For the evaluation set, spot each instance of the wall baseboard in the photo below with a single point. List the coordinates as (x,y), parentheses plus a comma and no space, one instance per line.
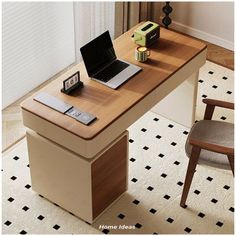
(201,34)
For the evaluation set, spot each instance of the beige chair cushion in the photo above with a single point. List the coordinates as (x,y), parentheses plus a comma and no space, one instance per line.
(215,132)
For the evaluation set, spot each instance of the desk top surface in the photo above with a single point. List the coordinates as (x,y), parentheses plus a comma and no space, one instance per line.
(171,52)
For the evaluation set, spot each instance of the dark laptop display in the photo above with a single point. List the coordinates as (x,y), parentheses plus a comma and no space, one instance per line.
(102,64)
(98,53)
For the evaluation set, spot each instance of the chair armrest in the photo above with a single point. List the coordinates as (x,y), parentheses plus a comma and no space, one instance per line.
(212,103)
(212,147)
(218,103)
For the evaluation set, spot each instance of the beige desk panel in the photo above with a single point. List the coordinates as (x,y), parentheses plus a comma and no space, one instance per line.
(180,105)
(56,178)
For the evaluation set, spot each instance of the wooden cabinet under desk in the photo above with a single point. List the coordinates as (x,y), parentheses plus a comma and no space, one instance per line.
(84,168)
(84,187)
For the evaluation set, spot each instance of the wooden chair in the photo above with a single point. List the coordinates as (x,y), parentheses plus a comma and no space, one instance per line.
(209,142)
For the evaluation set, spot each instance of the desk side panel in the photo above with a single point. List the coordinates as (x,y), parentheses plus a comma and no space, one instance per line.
(180,104)
(109,176)
(60,176)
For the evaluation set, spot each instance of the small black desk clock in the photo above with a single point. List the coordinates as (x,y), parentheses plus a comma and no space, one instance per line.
(72,83)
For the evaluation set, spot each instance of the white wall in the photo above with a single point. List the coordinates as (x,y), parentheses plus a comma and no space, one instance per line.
(37,42)
(210,21)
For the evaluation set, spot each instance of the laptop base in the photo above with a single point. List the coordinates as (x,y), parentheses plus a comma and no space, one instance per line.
(122,77)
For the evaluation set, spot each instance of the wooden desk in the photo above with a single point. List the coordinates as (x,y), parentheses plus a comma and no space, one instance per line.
(174,59)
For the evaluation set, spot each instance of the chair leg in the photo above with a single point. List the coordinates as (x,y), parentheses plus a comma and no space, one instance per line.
(231,162)
(209,112)
(193,160)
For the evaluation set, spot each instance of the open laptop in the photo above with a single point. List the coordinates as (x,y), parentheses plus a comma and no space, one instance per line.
(102,64)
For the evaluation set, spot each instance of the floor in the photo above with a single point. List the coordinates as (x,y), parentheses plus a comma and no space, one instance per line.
(157,166)
(12,126)
(220,55)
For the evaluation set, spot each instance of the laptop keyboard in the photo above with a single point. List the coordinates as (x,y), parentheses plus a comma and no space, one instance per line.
(108,73)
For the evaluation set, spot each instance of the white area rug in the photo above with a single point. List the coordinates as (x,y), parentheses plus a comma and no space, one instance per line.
(215,82)
(157,169)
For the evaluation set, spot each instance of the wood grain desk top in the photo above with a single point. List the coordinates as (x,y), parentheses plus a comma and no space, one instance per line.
(171,52)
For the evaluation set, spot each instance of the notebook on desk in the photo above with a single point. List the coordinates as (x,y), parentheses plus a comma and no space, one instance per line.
(102,64)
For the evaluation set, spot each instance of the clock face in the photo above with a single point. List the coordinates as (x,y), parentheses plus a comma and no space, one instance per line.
(69,83)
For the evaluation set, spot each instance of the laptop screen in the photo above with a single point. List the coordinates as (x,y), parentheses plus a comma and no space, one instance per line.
(98,53)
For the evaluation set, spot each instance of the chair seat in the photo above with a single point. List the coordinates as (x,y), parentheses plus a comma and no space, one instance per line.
(212,132)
